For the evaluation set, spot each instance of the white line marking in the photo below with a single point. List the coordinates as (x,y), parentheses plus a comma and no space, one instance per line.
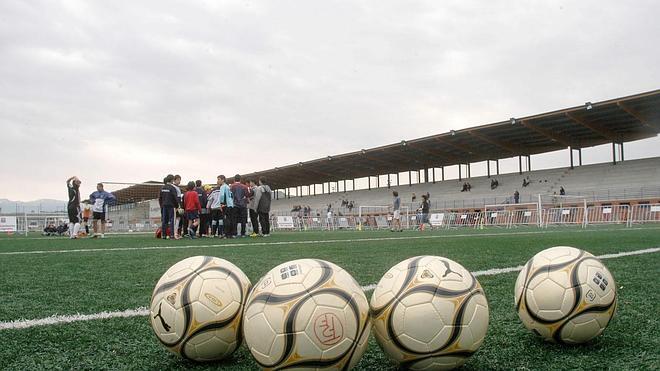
(371,239)
(60,319)
(143,311)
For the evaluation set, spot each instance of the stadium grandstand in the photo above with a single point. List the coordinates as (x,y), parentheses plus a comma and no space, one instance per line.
(332,180)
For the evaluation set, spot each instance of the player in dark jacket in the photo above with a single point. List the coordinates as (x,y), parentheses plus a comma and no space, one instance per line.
(168,201)
(241,194)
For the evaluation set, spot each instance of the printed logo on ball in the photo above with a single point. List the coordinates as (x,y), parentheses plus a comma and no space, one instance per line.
(328,329)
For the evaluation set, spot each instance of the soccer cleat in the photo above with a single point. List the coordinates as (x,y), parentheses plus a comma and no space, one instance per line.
(253,234)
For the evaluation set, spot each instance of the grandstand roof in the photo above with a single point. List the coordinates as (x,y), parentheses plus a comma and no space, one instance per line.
(617,120)
(138,192)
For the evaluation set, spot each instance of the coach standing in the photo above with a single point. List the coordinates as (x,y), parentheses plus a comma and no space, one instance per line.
(100,200)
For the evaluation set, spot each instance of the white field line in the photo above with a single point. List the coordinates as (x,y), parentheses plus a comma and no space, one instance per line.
(60,319)
(371,239)
(143,311)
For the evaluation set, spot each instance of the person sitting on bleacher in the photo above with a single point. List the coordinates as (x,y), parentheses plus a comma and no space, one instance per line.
(494,183)
(466,187)
(526,182)
(562,191)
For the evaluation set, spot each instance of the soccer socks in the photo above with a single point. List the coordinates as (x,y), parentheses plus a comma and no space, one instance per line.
(76,229)
(71,230)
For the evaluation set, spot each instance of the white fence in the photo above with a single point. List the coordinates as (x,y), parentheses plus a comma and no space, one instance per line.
(143,217)
(646,213)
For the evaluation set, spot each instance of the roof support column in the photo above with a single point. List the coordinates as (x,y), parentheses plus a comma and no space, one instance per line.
(488,168)
(529,162)
(353,189)
(397,179)
(571,152)
(322,188)
(426,175)
(369,181)
(580,156)
(468,171)
(621,151)
(433,174)
(497,166)
(377,181)
(459,172)
(613,153)
(389,183)
(519,164)
(442,171)
(409,178)
(344,185)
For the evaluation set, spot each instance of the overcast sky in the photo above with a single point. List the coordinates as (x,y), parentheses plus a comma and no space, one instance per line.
(131,91)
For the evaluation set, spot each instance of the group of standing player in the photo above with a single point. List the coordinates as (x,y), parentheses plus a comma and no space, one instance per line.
(99,201)
(216,212)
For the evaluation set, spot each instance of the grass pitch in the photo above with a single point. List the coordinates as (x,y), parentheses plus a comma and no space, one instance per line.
(41,277)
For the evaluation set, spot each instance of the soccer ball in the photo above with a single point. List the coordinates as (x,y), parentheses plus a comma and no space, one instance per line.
(197,307)
(307,313)
(429,313)
(565,295)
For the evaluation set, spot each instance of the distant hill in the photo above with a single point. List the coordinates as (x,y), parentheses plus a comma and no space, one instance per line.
(31,207)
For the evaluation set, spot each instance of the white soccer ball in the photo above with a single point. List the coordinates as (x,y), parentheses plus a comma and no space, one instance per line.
(565,295)
(305,314)
(197,307)
(429,313)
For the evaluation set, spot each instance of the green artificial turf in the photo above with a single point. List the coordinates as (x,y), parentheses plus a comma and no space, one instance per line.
(118,273)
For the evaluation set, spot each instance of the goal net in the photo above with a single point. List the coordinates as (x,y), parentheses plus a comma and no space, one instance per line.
(136,208)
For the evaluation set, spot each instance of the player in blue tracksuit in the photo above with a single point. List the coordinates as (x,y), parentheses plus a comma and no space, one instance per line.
(100,200)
